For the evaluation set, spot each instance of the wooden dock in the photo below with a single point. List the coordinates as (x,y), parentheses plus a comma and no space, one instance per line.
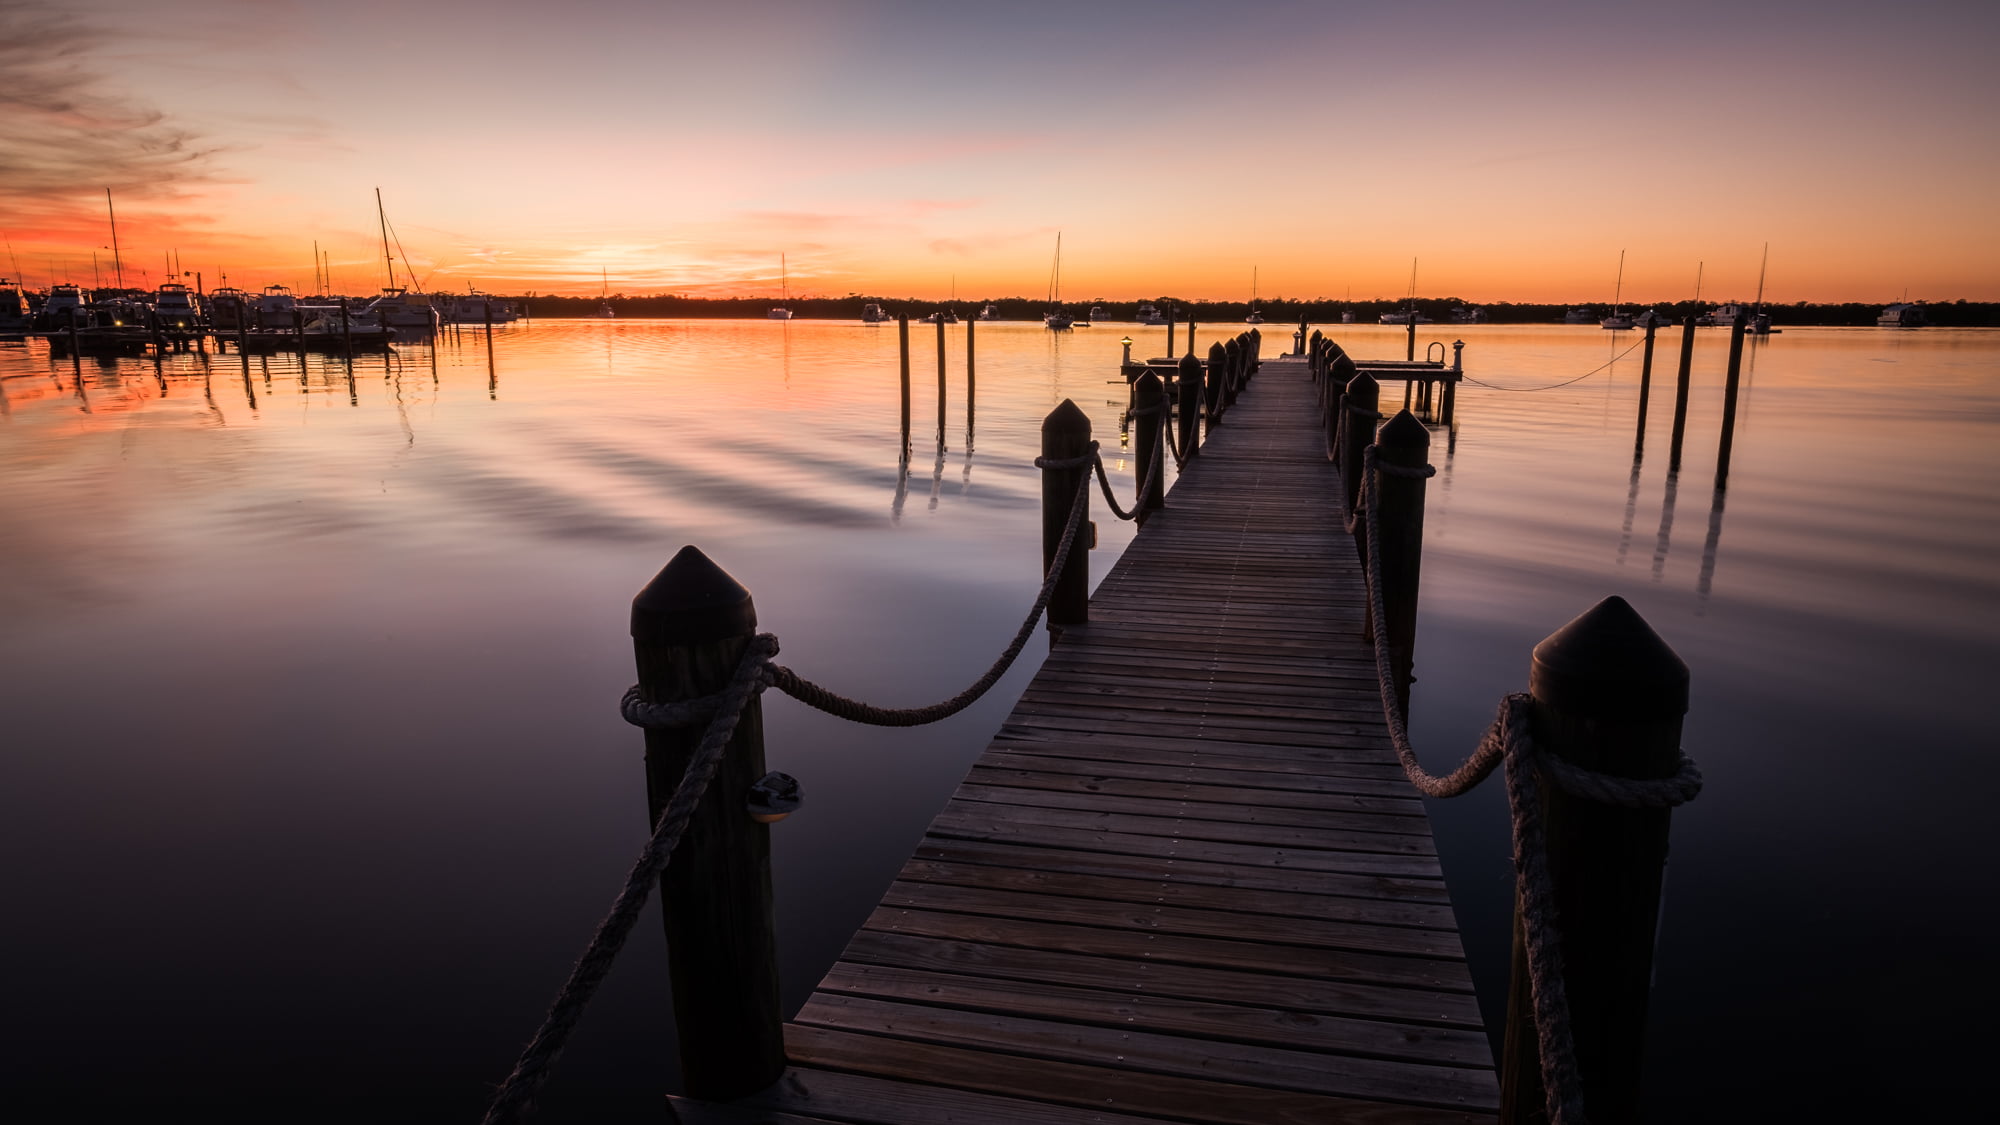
(1187,882)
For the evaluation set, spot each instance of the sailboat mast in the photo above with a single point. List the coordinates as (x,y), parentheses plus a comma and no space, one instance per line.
(1058,296)
(1760,276)
(1697,281)
(383,218)
(117,264)
(784,279)
(1618,293)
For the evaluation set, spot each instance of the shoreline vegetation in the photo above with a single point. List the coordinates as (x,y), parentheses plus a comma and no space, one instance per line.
(1446,311)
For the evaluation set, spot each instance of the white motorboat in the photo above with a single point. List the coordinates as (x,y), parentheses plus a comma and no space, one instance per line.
(1150,314)
(1097,313)
(175,307)
(1902,315)
(871,313)
(990,312)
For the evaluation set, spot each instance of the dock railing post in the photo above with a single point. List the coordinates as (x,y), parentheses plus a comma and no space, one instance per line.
(1171,314)
(1232,359)
(1187,387)
(1065,437)
(690,628)
(1149,403)
(1728,441)
(1681,395)
(1256,353)
(1357,432)
(941,390)
(1190,334)
(1450,407)
(1410,348)
(1609,696)
(1404,443)
(1218,372)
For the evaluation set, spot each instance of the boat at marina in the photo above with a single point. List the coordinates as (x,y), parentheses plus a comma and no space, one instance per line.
(1462,315)
(1580,316)
(1618,321)
(1149,313)
(63,303)
(871,313)
(1722,317)
(476,308)
(1408,316)
(942,316)
(783,312)
(990,312)
(1256,316)
(1056,318)
(1097,313)
(228,309)
(1902,315)
(1760,321)
(1652,318)
(14,316)
(174,306)
(399,308)
(273,307)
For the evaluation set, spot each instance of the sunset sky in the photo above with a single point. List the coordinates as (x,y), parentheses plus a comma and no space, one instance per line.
(888,147)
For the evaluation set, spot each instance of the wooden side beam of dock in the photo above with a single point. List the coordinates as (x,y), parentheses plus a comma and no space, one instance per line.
(1187,881)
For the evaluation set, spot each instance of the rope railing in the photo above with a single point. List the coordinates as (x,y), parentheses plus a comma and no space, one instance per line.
(754,673)
(1509,741)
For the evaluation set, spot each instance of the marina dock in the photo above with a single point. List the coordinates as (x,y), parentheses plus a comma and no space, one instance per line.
(1187,880)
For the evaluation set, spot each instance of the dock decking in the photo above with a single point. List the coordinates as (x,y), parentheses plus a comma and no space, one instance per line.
(1187,881)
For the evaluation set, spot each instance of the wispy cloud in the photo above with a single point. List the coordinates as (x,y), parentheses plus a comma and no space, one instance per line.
(65,129)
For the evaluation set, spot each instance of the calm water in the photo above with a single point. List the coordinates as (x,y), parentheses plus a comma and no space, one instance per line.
(315,783)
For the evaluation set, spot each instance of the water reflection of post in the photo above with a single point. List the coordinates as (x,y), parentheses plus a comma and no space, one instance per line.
(249,387)
(1709,548)
(1631,509)
(353,398)
(1666,525)
(902,486)
(937,479)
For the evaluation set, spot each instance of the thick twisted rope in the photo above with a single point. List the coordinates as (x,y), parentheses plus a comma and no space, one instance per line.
(1510,740)
(1566,382)
(1104,481)
(516,1095)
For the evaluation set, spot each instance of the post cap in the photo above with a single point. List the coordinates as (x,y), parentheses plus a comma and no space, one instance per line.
(1609,664)
(1364,386)
(1190,367)
(1216,352)
(1149,386)
(1404,432)
(1067,417)
(691,601)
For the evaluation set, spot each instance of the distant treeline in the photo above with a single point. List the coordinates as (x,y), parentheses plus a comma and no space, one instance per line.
(1275,311)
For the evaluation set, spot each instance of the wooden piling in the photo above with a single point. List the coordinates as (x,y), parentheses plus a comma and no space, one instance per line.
(1066,436)
(903,338)
(1361,399)
(1190,334)
(1645,383)
(940,380)
(1729,401)
(1187,389)
(690,627)
(970,321)
(299,334)
(1218,370)
(1232,360)
(1410,348)
(346,328)
(1609,696)
(1149,409)
(1406,443)
(1681,395)
(1171,313)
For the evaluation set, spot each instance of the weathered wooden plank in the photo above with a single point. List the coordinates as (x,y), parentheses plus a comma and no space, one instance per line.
(1105,1087)
(1165,788)
(850,1097)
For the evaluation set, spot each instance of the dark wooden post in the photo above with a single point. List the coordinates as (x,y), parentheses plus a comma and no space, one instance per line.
(940,350)
(1357,433)
(690,626)
(299,334)
(1218,370)
(1410,348)
(1729,401)
(903,337)
(1149,403)
(1609,696)
(1256,353)
(1645,382)
(346,328)
(1171,314)
(1232,361)
(1188,389)
(1302,334)
(970,321)
(1190,334)
(1404,442)
(1066,435)
(1681,395)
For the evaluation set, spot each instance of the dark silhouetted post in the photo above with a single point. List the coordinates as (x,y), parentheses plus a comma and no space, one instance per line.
(299,334)
(1218,370)
(1645,382)
(1232,367)
(1149,404)
(1729,401)
(1190,338)
(940,343)
(1256,353)
(1302,335)
(1410,348)
(903,337)
(1609,696)
(1451,384)
(1681,395)
(1066,437)
(969,368)
(1403,442)
(1358,414)
(1171,314)
(346,328)
(1187,388)
(690,627)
